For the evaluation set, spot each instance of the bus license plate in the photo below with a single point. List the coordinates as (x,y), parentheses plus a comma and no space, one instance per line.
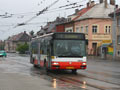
(69,67)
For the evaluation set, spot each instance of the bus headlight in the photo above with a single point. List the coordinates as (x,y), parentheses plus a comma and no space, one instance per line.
(55,63)
(84,64)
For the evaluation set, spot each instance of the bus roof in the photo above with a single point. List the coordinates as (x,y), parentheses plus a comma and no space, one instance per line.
(63,35)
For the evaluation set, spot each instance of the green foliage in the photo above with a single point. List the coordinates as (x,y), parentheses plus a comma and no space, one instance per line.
(2,46)
(22,48)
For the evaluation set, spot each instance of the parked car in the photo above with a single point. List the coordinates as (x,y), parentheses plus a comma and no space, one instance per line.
(3,53)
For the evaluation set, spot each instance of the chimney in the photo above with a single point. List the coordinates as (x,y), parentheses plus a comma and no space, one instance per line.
(92,3)
(112,2)
(76,11)
(101,1)
(88,5)
(116,6)
(41,27)
(24,31)
(106,3)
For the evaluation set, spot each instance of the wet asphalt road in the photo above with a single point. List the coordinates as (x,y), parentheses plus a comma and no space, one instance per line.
(99,75)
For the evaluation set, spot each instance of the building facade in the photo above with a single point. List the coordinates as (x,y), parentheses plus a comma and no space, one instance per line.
(54,26)
(96,24)
(12,42)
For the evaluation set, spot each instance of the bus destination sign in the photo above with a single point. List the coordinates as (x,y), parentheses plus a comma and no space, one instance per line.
(69,36)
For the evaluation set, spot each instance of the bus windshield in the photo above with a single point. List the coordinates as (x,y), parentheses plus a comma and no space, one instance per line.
(69,48)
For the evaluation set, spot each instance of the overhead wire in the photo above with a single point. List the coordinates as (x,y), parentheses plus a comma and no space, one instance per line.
(7,15)
(43,13)
(39,13)
(22,15)
(61,9)
(50,9)
(27,20)
(47,11)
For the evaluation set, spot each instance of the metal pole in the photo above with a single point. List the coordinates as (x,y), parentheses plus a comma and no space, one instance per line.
(114,34)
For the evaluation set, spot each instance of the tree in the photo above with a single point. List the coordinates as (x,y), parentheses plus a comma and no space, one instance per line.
(31,33)
(22,48)
(2,45)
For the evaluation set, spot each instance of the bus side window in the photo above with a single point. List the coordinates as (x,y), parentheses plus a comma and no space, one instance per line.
(43,48)
(34,48)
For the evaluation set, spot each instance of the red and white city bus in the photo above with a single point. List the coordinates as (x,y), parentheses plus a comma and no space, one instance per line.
(59,51)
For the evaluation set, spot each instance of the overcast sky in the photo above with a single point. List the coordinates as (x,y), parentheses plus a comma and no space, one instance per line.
(23,10)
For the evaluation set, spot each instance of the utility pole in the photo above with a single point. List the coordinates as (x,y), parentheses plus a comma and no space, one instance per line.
(114,34)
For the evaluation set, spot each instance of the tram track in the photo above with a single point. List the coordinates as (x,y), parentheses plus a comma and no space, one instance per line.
(73,80)
(78,83)
(91,77)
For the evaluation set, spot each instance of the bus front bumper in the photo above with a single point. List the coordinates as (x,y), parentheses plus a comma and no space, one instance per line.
(68,65)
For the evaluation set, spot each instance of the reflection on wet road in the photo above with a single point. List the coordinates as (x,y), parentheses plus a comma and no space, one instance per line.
(100,74)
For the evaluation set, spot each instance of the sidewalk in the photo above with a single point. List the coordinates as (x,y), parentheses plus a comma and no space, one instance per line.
(99,58)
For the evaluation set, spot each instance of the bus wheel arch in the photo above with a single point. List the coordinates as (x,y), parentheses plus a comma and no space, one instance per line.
(34,63)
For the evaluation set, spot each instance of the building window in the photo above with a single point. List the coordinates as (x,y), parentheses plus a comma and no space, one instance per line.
(86,29)
(94,29)
(69,19)
(70,30)
(77,29)
(118,38)
(107,29)
(82,30)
